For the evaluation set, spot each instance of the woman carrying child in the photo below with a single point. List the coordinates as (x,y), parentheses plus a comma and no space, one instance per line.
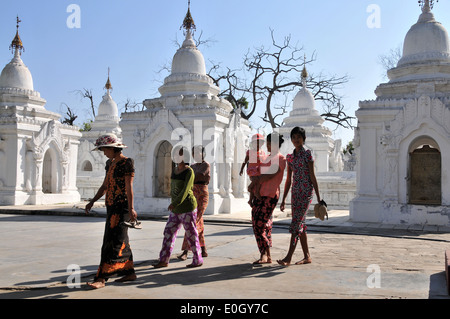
(272,170)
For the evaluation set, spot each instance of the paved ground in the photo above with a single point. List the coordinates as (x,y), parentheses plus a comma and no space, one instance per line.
(350,261)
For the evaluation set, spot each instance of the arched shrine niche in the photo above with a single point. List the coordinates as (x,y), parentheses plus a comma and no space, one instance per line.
(86,166)
(425,172)
(163,169)
(50,172)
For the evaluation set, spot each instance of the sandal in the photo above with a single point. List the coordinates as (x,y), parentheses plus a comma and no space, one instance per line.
(160,265)
(194,265)
(182,256)
(133,224)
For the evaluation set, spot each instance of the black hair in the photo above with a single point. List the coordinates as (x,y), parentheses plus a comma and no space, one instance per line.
(298,131)
(275,135)
(182,151)
(197,147)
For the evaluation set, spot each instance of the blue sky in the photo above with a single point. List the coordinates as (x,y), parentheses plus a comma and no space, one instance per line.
(136,38)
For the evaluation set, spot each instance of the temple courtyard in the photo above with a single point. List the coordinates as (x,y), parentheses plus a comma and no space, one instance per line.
(50,252)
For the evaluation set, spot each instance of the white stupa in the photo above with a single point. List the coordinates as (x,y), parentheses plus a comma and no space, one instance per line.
(336,187)
(403,139)
(91,165)
(16,74)
(318,137)
(107,119)
(37,152)
(188,112)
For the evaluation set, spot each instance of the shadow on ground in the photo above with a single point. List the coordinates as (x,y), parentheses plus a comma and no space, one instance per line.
(148,278)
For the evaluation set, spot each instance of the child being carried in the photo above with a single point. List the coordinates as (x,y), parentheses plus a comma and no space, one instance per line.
(253,159)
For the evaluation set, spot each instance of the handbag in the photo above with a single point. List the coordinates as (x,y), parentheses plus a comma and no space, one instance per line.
(320,210)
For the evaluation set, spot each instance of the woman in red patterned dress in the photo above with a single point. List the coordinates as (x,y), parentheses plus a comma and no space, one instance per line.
(300,173)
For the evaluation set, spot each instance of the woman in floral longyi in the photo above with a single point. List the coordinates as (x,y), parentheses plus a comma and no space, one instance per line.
(116,255)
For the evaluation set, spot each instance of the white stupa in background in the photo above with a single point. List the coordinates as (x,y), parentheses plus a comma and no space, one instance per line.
(336,187)
(38,154)
(318,137)
(91,165)
(403,137)
(188,112)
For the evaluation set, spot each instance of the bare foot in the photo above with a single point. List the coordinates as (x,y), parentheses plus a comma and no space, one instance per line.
(204,253)
(284,262)
(304,261)
(96,284)
(183,255)
(262,261)
(130,277)
(160,265)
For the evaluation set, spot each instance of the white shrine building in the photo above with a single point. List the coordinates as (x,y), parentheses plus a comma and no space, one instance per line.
(188,112)
(336,187)
(403,136)
(318,137)
(38,154)
(91,165)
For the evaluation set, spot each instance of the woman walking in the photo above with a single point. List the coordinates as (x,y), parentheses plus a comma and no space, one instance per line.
(300,174)
(116,255)
(183,211)
(272,170)
(201,170)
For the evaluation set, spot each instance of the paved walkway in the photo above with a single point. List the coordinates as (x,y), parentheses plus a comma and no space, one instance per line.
(42,246)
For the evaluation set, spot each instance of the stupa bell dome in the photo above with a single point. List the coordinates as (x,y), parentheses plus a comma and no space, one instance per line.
(426,41)
(107,109)
(188,59)
(304,98)
(16,74)
(107,106)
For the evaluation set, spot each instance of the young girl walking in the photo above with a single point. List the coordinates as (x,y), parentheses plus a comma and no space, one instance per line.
(183,211)
(300,174)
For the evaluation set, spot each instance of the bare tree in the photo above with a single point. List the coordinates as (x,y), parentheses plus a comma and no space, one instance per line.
(70,118)
(85,93)
(324,89)
(268,73)
(132,106)
(197,39)
(390,60)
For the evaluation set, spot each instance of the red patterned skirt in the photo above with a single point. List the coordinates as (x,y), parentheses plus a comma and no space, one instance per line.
(262,212)
(202,196)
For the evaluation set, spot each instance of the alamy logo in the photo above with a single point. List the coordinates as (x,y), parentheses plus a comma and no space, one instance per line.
(374,279)
(74,280)
(374,19)
(74,19)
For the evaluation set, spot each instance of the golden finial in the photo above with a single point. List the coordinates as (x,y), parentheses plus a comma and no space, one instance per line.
(108,85)
(304,72)
(188,22)
(16,44)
